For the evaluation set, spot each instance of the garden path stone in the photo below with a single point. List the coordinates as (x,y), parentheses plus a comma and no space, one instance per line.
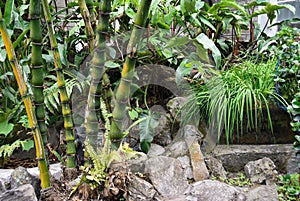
(261,171)
(166,175)
(22,193)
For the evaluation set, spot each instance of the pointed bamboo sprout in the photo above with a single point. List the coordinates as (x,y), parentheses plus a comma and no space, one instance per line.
(123,90)
(30,110)
(37,76)
(64,99)
(98,69)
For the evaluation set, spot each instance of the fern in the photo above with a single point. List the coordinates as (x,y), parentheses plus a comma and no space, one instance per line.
(7,150)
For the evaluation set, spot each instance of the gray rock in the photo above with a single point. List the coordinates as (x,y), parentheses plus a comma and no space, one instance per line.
(261,171)
(214,191)
(293,164)
(190,134)
(5,179)
(174,105)
(137,164)
(199,168)
(20,176)
(162,133)
(166,175)
(22,193)
(177,149)
(215,167)
(186,165)
(140,190)
(235,157)
(263,193)
(55,171)
(155,150)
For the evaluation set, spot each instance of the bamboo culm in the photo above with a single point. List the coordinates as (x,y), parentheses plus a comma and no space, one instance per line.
(122,94)
(37,75)
(30,109)
(64,99)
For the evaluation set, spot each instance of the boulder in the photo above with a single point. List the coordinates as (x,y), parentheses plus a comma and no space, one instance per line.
(216,191)
(235,157)
(186,165)
(200,171)
(155,150)
(262,171)
(22,193)
(174,105)
(263,193)
(215,168)
(189,134)
(140,190)
(162,133)
(137,164)
(4,179)
(55,171)
(177,149)
(166,175)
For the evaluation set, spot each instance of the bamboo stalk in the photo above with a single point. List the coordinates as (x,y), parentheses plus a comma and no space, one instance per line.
(30,110)
(98,69)
(64,99)
(37,79)
(123,90)
(90,6)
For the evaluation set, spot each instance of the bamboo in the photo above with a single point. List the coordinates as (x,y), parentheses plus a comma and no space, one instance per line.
(98,69)
(30,110)
(123,90)
(90,6)
(64,99)
(37,79)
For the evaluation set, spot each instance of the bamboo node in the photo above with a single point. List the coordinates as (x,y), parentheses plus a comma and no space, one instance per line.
(126,80)
(37,43)
(40,159)
(138,26)
(34,17)
(37,86)
(104,13)
(36,66)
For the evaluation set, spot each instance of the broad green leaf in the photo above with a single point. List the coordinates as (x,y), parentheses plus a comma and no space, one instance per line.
(177,42)
(207,23)
(225,4)
(5,127)
(133,114)
(2,55)
(209,44)
(111,64)
(27,145)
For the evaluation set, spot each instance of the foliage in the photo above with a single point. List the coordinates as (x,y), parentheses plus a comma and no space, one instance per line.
(238,94)
(288,187)
(240,180)
(7,150)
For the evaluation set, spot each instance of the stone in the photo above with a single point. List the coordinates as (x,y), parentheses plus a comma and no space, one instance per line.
(189,133)
(140,190)
(20,176)
(235,157)
(174,105)
(177,149)
(200,171)
(215,167)
(137,164)
(55,171)
(5,179)
(162,133)
(293,164)
(155,150)
(263,193)
(186,165)
(166,175)
(215,190)
(22,193)
(262,171)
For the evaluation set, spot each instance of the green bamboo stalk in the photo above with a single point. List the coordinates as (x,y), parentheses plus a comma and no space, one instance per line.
(123,90)
(37,79)
(64,99)
(87,21)
(98,69)
(90,6)
(30,109)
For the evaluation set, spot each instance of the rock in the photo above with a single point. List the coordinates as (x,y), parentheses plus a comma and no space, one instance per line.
(261,171)
(155,150)
(140,190)
(186,165)
(162,133)
(293,164)
(174,105)
(263,193)
(22,193)
(235,157)
(4,179)
(137,164)
(166,175)
(215,168)
(189,133)
(20,176)
(215,190)
(177,149)
(200,171)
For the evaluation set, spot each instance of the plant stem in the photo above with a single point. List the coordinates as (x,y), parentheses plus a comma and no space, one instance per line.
(30,110)
(123,90)
(37,79)
(64,99)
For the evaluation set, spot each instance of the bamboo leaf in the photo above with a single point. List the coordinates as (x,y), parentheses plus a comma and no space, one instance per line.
(8,13)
